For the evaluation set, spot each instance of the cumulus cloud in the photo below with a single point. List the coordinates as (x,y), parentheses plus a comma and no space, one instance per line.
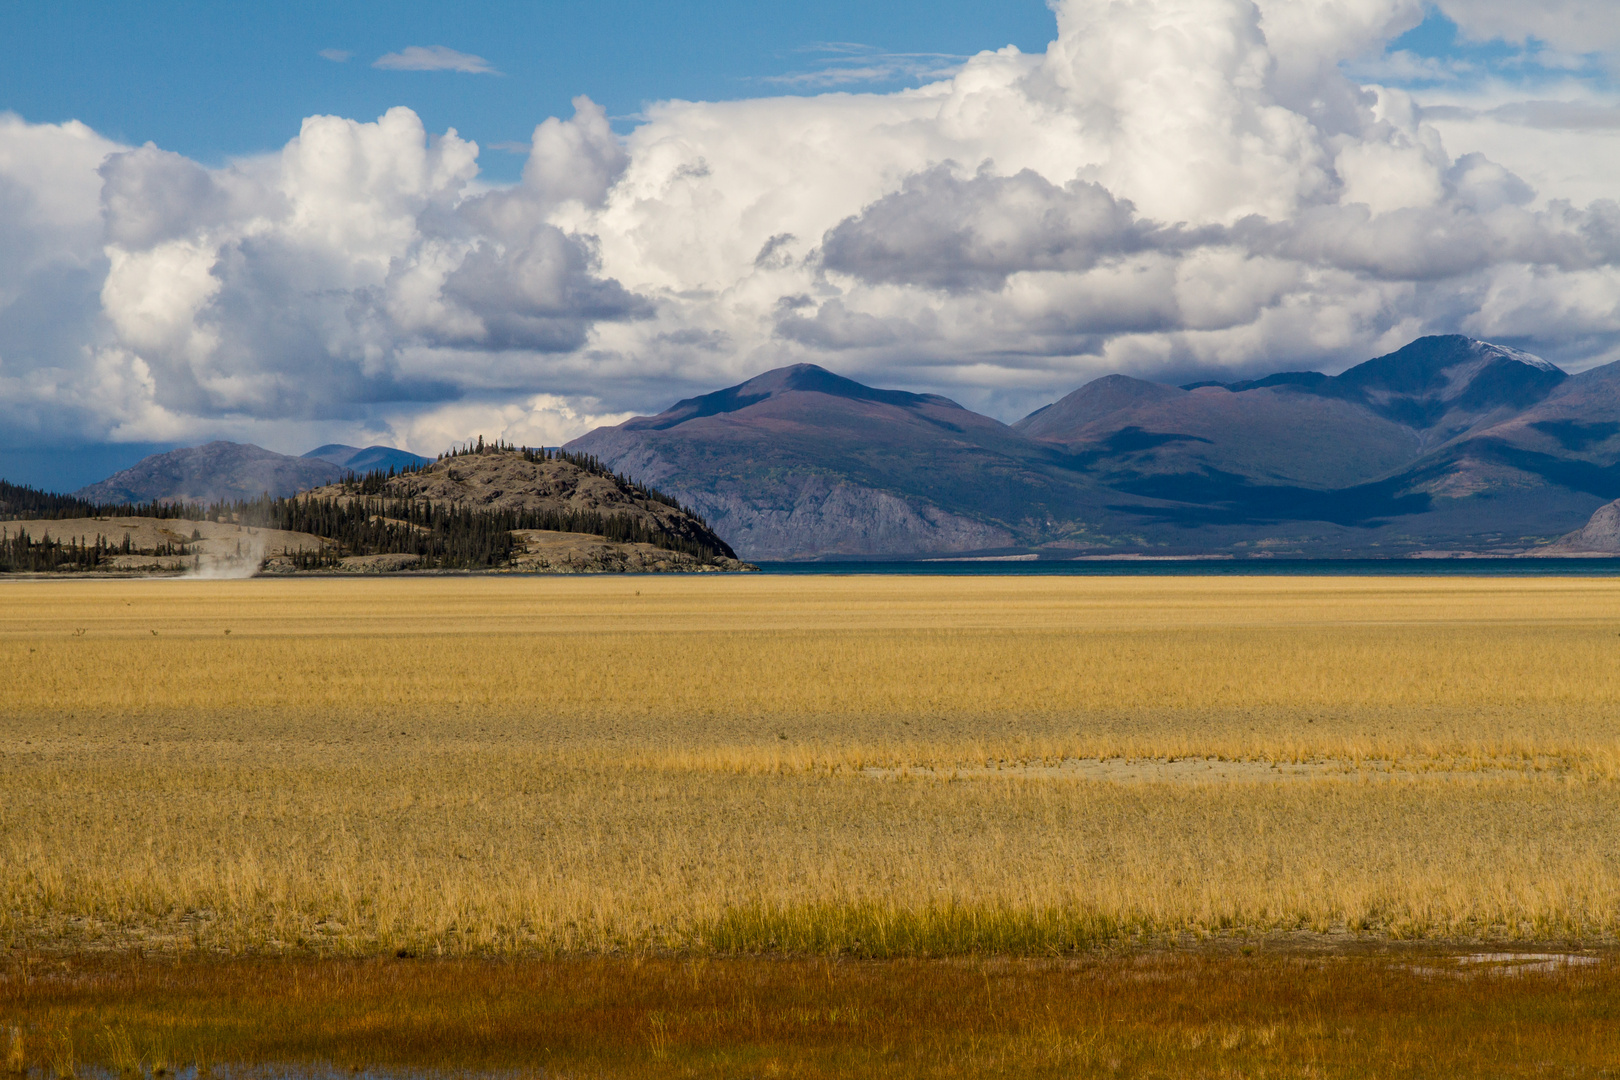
(956,233)
(1173,185)
(432,58)
(360,267)
(51,269)
(337,56)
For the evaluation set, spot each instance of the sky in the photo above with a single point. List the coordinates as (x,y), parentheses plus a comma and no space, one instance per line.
(214,81)
(414,224)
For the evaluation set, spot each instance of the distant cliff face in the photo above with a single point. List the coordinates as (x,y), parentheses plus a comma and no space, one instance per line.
(837,518)
(1446,443)
(1599,536)
(216,472)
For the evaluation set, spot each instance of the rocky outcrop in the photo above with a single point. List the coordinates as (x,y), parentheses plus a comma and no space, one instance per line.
(1599,536)
(567,514)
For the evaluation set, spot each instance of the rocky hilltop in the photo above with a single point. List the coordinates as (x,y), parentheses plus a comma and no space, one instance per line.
(569,511)
(1599,536)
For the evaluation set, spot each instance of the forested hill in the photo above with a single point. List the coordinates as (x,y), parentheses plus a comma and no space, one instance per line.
(529,489)
(26,502)
(488,506)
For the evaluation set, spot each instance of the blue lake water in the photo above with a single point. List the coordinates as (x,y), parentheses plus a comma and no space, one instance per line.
(1215,567)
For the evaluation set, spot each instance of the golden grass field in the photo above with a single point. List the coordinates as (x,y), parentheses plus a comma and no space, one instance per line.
(861,766)
(811,827)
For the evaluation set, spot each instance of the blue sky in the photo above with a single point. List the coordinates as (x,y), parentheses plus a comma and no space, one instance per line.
(1000,237)
(217,80)
(1436,54)
(212,80)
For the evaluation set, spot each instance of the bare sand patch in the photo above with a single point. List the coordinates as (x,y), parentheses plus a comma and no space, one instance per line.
(1201,770)
(215,549)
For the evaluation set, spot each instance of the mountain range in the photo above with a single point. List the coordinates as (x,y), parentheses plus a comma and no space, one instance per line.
(223,471)
(368,459)
(1446,445)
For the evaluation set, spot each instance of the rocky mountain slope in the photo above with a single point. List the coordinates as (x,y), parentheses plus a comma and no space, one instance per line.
(800,461)
(1446,444)
(1599,536)
(216,472)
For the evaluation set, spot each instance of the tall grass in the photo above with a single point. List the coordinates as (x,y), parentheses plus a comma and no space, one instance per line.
(836,766)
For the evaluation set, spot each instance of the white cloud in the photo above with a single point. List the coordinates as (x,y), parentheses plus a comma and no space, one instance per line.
(1576,26)
(957,233)
(337,56)
(1538,114)
(541,420)
(1173,184)
(433,58)
(1231,137)
(361,268)
(840,64)
(51,271)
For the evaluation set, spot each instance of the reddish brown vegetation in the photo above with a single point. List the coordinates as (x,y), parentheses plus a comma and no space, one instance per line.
(1407,1014)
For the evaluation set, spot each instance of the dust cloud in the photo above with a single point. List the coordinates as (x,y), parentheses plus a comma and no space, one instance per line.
(243,562)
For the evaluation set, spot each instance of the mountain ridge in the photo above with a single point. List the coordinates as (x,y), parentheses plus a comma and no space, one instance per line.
(218,471)
(1447,443)
(1410,386)
(367,459)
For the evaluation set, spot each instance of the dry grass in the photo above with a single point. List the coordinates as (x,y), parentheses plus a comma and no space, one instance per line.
(507,766)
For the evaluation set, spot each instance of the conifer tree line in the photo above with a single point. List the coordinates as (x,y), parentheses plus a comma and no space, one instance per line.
(451,537)
(20,554)
(25,503)
(365,521)
(19,503)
